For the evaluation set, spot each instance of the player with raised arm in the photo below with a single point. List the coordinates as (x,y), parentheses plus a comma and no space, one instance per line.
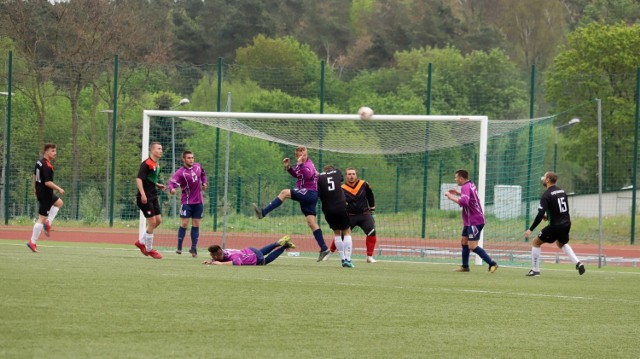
(335,211)
(472,220)
(148,184)
(192,181)
(305,192)
(49,203)
(554,202)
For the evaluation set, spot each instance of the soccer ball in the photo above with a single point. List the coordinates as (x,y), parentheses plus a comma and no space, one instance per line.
(365,113)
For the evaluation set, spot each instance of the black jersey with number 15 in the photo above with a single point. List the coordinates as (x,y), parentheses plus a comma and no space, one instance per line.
(555,203)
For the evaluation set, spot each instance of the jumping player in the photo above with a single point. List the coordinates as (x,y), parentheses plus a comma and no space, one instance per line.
(305,192)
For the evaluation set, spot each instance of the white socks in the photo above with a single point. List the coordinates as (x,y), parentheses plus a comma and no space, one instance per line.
(339,246)
(348,247)
(148,241)
(37,228)
(344,246)
(569,252)
(53,212)
(535,258)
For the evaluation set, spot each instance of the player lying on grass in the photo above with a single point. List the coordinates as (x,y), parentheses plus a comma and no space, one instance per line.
(249,256)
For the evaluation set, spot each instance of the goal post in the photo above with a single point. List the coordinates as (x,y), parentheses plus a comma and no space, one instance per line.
(388,151)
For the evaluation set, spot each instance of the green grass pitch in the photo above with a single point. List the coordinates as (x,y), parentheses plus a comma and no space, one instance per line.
(106,301)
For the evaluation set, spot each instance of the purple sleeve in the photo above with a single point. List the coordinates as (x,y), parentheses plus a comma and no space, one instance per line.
(465,193)
(175,179)
(203,175)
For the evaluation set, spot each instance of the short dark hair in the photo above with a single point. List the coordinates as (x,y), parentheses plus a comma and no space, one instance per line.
(48,146)
(154,143)
(214,248)
(462,173)
(552,177)
(185,153)
(328,168)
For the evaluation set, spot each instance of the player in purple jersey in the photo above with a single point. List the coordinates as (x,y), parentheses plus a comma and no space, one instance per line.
(192,181)
(249,256)
(49,203)
(305,192)
(554,200)
(472,220)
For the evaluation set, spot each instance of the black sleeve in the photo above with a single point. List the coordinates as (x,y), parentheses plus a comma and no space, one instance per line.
(542,209)
(46,175)
(142,172)
(369,194)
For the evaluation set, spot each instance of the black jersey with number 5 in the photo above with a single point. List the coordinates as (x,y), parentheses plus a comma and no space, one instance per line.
(554,201)
(330,190)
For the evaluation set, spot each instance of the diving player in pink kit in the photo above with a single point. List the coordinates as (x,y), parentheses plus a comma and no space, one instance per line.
(249,256)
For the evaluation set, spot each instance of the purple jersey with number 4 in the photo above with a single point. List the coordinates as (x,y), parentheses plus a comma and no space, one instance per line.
(470,202)
(190,181)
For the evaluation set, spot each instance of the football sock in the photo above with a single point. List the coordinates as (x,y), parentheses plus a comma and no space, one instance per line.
(268,248)
(465,255)
(348,247)
(339,244)
(275,254)
(317,234)
(535,258)
(148,241)
(485,257)
(371,245)
(569,252)
(181,233)
(37,228)
(53,212)
(333,245)
(271,206)
(195,234)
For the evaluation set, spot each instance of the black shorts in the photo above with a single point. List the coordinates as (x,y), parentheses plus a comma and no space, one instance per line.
(338,219)
(45,203)
(551,233)
(149,209)
(365,221)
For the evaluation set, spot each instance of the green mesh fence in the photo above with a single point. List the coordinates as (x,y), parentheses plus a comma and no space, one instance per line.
(49,106)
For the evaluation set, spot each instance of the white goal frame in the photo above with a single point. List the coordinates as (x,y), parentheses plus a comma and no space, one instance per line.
(482,151)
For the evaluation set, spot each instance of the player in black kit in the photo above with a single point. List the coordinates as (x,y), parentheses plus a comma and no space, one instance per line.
(335,211)
(554,202)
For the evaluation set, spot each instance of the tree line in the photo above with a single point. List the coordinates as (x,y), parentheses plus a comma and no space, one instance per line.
(376,53)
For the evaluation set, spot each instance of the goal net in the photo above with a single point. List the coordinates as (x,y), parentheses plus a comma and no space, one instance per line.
(409,161)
